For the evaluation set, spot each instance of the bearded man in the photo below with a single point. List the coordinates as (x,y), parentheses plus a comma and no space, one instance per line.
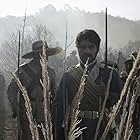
(87,44)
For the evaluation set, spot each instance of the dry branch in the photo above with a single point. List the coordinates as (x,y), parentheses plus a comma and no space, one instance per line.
(128,129)
(76,132)
(132,73)
(32,124)
(46,94)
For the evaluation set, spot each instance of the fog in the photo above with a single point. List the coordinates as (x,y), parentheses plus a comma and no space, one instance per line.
(120,30)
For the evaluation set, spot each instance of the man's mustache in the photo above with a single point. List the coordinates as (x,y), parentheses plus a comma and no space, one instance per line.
(87,55)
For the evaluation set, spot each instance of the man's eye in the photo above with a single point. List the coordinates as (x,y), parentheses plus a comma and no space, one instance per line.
(92,47)
(83,47)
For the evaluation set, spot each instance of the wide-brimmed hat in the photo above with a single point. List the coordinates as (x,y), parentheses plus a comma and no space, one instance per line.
(37,48)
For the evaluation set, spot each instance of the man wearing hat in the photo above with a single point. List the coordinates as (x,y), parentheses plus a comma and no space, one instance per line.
(87,44)
(129,62)
(30,75)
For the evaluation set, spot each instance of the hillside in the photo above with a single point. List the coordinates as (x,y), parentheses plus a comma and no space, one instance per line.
(120,30)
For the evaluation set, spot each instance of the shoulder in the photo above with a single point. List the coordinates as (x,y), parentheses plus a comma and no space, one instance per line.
(25,71)
(21,69)
(30,68)
(108,68)
(70,72)
(129,60)
(105,71)
(74,69)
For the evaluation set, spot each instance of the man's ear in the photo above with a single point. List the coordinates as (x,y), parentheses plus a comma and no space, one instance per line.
(97,51)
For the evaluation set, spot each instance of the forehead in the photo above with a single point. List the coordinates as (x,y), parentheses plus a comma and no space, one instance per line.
(87,43)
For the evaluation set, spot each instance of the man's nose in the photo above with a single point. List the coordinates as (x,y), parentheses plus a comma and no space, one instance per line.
(87,50)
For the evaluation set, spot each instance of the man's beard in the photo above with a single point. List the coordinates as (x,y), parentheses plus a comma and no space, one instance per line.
(89,58)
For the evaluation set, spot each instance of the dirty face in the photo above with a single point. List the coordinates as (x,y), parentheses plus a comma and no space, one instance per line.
(87,49)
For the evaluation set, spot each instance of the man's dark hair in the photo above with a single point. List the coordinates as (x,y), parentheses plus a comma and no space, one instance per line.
(90,35)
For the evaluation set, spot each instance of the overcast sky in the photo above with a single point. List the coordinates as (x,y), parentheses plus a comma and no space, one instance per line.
(129,9)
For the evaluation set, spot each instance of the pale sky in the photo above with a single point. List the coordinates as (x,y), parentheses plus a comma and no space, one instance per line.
(129,9)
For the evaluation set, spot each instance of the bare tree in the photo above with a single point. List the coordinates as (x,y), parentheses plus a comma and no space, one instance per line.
(9,50)
(38,33)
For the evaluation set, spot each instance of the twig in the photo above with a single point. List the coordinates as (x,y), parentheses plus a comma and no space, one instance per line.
(47,114)
(124,116)
(104,104)
(32,124)
(131,110)
(75,107)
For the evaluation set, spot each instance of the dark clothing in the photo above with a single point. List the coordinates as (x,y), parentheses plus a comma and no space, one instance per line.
(2,106)
(136,120)
(67,91)
(30,75)
(2,83)
(129,64)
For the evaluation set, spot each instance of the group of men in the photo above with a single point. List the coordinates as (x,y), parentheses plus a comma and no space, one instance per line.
(87,44)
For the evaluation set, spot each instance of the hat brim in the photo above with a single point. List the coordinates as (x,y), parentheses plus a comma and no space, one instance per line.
(49,52)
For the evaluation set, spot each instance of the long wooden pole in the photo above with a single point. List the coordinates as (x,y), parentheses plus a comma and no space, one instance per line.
(106,38)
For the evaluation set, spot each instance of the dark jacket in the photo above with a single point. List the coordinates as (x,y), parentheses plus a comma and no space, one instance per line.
(67,91)
(30,75)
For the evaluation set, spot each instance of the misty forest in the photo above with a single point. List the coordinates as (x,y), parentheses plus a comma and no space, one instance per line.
(59,29)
